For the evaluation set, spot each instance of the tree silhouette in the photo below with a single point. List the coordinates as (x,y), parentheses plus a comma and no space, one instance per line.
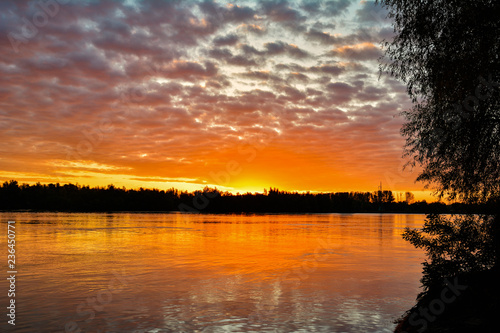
(71,198)
(409,197)
(447,54)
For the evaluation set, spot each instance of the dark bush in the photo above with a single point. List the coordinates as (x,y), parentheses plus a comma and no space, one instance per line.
(454,245)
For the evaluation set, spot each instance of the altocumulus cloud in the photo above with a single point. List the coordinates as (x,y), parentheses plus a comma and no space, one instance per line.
(164,89)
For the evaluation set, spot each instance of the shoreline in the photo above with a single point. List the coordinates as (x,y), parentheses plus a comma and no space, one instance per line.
(214,212)
(469,302)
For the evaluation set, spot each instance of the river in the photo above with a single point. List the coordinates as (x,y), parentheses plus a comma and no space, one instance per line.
(129,272)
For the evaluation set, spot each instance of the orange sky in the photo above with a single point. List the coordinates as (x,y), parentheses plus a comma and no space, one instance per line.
(242,96)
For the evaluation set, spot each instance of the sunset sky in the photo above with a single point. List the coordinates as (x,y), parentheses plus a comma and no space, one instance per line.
(241,95)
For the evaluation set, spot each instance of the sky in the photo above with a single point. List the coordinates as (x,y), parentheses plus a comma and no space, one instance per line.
(241,95)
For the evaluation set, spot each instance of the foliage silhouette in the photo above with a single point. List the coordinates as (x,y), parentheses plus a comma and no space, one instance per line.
(456,245)
(70,197)
(447,54)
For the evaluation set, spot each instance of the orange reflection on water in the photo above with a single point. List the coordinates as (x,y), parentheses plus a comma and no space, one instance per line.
(242,272)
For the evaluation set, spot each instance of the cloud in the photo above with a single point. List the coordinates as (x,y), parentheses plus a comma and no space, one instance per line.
(342,88)
(330,8)
(226,14)
(190,69)
(253,28)
(295,52)
(220,53)
(282,12)
(275,48)
(251,50)
(170,89)
(272,49)
(371,12)
(311,6)
(372,93)
(298,77)
(291,67)
(327,69)
(336,7)
(292,94)
(363,51)
(227,56)
(227,40)
(260,76)
(279,47)
(322,37)
(240,60)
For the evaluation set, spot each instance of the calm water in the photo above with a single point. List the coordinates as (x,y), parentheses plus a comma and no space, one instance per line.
(211,273)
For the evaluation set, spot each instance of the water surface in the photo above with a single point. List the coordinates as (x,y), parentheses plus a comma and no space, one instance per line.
(212,273)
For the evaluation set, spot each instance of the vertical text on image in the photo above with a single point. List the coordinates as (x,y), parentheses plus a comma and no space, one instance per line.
(11,264)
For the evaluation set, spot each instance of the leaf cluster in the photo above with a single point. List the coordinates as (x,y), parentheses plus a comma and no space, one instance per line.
(454,245)
(447,53)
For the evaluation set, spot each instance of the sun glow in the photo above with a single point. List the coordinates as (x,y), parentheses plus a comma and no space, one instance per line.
(241,97)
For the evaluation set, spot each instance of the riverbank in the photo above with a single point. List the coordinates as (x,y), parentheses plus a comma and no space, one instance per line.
(77,198)
(467,303)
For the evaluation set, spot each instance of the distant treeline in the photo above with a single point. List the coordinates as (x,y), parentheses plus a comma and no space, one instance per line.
(77,198)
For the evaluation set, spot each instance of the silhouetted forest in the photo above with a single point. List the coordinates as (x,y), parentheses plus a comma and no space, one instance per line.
(70,197)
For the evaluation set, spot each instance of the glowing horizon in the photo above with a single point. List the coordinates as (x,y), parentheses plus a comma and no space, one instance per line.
(240,96)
